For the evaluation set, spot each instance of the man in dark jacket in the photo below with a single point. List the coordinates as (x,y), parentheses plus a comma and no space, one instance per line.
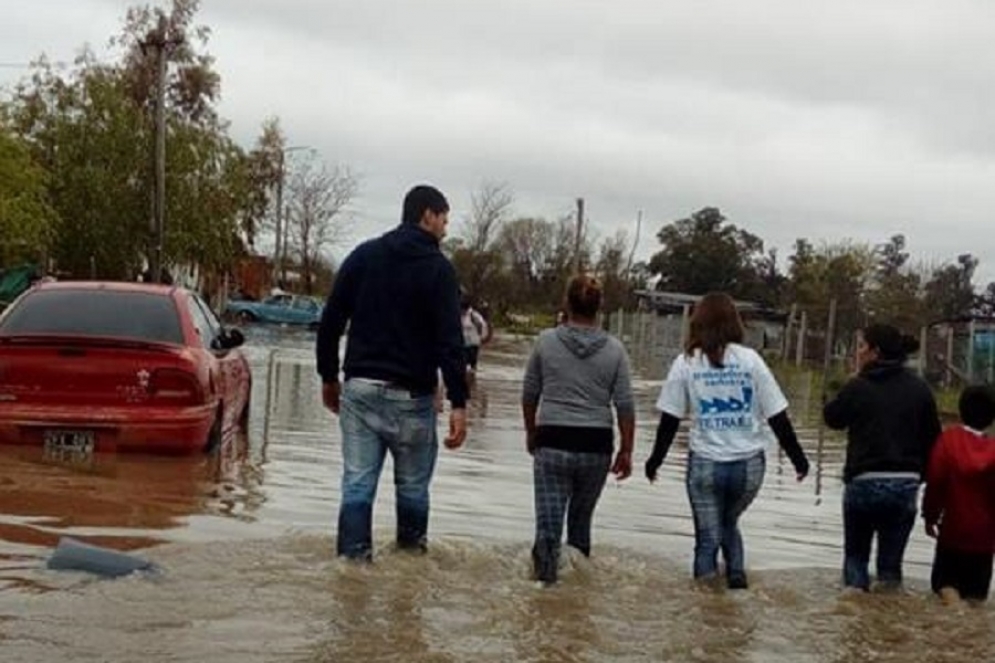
(400,297)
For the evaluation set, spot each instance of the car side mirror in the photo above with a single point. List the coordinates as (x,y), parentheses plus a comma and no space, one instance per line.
(234,337)
(229,338)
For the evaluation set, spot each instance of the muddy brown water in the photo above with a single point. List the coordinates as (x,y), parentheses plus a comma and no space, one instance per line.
(245,540)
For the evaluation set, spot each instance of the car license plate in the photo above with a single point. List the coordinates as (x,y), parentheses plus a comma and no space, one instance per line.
(75,442)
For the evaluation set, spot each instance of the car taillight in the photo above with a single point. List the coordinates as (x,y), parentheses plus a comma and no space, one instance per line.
(176,387)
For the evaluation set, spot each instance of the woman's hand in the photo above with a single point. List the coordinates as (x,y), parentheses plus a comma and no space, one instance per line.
(653,464)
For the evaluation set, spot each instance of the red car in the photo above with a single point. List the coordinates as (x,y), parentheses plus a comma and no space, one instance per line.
(104,366)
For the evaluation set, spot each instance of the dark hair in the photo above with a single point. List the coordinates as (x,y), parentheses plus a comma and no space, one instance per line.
(977,407)
(890,343)
(421,198)
(715,324)
(584,296)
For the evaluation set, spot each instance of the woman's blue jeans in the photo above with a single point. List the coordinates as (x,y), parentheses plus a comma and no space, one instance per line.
(885,507)
(719,493)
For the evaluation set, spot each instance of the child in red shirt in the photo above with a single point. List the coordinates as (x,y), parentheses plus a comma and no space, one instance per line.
(959,503)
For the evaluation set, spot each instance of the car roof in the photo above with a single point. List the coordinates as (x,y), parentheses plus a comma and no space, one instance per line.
(114,286)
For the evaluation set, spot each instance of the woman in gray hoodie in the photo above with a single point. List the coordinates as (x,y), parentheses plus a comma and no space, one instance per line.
(576,373)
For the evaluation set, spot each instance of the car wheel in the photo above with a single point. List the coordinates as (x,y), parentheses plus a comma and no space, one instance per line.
(245,317)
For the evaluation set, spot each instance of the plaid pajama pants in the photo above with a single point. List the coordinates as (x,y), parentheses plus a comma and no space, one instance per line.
(567,484)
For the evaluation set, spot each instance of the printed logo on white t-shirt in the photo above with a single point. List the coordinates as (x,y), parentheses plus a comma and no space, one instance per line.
(727,405)
(725,399)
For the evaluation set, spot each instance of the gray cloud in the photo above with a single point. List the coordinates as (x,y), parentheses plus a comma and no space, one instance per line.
(853,120)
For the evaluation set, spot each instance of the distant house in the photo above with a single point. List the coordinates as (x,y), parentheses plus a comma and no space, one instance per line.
(765,327)
(657,331)
(961,348)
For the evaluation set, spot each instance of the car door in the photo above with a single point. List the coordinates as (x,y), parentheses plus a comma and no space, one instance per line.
(278,308)
(303,311)
(233,370)
(206,335)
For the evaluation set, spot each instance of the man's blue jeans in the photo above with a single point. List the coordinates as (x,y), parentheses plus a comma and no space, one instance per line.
(375,419)
(720,492)
(886,507)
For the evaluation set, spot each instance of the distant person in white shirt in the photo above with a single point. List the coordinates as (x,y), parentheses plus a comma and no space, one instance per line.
(728,392)
(476,332)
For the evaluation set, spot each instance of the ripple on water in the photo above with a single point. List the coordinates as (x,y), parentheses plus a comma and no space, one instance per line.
(290,599)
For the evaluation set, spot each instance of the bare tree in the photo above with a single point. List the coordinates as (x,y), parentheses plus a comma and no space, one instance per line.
(613,270)
(318,209)
(489,206)
(527,244)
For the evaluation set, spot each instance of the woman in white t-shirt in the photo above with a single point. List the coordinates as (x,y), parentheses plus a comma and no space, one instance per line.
(728,392)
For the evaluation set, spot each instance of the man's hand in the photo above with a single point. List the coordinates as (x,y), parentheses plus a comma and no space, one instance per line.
(931,530)
(457,428)
(530,442)
(331,393)
(622,467)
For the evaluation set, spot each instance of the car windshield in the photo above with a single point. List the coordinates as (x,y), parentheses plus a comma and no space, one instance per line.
(108,313)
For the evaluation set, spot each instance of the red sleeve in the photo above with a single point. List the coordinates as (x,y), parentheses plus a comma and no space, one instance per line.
(936,478)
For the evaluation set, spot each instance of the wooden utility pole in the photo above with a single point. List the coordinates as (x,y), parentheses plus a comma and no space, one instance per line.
(280,249)
(580,234)
(159,45)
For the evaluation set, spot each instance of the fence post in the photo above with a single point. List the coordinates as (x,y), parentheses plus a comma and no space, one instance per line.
(786,344)
(685,325)
(991,354)
(970,351)
(950,355)
(800,346)
(826,364)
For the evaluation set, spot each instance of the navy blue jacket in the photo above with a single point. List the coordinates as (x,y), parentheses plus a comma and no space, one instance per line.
(400,297)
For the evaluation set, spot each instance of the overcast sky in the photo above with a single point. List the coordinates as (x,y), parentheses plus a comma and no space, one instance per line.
(827,120)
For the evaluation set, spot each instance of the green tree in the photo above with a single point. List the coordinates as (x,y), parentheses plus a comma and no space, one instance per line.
(839,271)
(26,218)
(703,253)
(986,301)
(89,137)
(90,128)
(894,297)
(950,291)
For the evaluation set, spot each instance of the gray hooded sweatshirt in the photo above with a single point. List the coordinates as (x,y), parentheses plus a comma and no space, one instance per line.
(575,374)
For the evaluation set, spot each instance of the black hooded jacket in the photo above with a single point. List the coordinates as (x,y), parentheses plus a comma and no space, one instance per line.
(890,418)
(400,297)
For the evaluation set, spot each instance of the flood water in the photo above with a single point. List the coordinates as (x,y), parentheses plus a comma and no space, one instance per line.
(245,541)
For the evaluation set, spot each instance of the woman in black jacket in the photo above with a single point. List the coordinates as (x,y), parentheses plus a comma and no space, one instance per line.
(890,418)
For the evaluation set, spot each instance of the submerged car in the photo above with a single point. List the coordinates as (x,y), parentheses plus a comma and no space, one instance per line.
(106,366)
(282,309)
